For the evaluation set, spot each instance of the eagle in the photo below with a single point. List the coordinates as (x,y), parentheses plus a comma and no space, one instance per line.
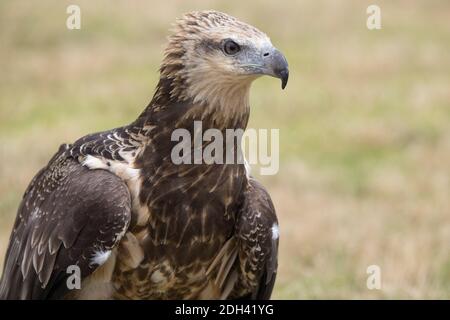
(135,224)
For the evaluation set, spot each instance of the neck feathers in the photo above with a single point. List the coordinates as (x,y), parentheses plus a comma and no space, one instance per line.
(221,103)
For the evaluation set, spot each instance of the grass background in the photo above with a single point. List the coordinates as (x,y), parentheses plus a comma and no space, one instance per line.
(364,124)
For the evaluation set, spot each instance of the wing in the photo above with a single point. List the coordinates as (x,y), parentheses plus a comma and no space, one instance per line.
(68,216)
(247,263)
(257,233)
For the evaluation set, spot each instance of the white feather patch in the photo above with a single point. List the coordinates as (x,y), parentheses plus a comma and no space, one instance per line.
(248,168)
(100,257)
(94,163)
(275,231)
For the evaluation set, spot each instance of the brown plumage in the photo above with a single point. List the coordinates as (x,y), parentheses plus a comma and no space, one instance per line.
(138,225)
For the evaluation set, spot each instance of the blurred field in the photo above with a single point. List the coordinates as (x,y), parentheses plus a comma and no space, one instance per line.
(364,124)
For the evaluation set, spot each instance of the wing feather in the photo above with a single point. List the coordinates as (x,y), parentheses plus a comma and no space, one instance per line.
(246,265)
(67,213)
(258,251)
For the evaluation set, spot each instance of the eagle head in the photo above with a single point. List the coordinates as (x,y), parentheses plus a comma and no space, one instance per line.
(211,54)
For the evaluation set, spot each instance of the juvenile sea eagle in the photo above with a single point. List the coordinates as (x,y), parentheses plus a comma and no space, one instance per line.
(139,226)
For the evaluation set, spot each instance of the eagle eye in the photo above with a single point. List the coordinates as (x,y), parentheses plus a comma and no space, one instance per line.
(231,48)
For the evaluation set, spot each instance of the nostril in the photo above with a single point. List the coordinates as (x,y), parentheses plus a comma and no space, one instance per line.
(266,54)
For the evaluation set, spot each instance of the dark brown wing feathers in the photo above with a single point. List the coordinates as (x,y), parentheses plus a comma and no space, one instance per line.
(67,213)
(258,247)
(252,251)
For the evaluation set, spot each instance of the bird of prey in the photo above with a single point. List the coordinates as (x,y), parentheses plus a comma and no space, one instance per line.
(139,226)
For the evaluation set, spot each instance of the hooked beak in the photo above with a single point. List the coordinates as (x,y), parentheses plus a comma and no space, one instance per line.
(269,61)
(275,65)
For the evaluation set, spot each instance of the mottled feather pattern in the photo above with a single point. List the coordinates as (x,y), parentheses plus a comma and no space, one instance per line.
(119,144)
(258,248)
(138,225)
(63,219)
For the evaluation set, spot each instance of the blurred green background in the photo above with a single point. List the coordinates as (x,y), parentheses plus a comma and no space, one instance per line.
(364,124)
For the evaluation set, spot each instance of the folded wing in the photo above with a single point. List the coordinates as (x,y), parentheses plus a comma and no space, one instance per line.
(69,215)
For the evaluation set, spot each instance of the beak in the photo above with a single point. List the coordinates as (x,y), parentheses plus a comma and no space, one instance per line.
(276,66)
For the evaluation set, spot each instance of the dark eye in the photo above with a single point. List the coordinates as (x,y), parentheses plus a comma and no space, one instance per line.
(231,48)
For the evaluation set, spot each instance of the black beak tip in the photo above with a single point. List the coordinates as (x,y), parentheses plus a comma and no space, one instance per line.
(284,76)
